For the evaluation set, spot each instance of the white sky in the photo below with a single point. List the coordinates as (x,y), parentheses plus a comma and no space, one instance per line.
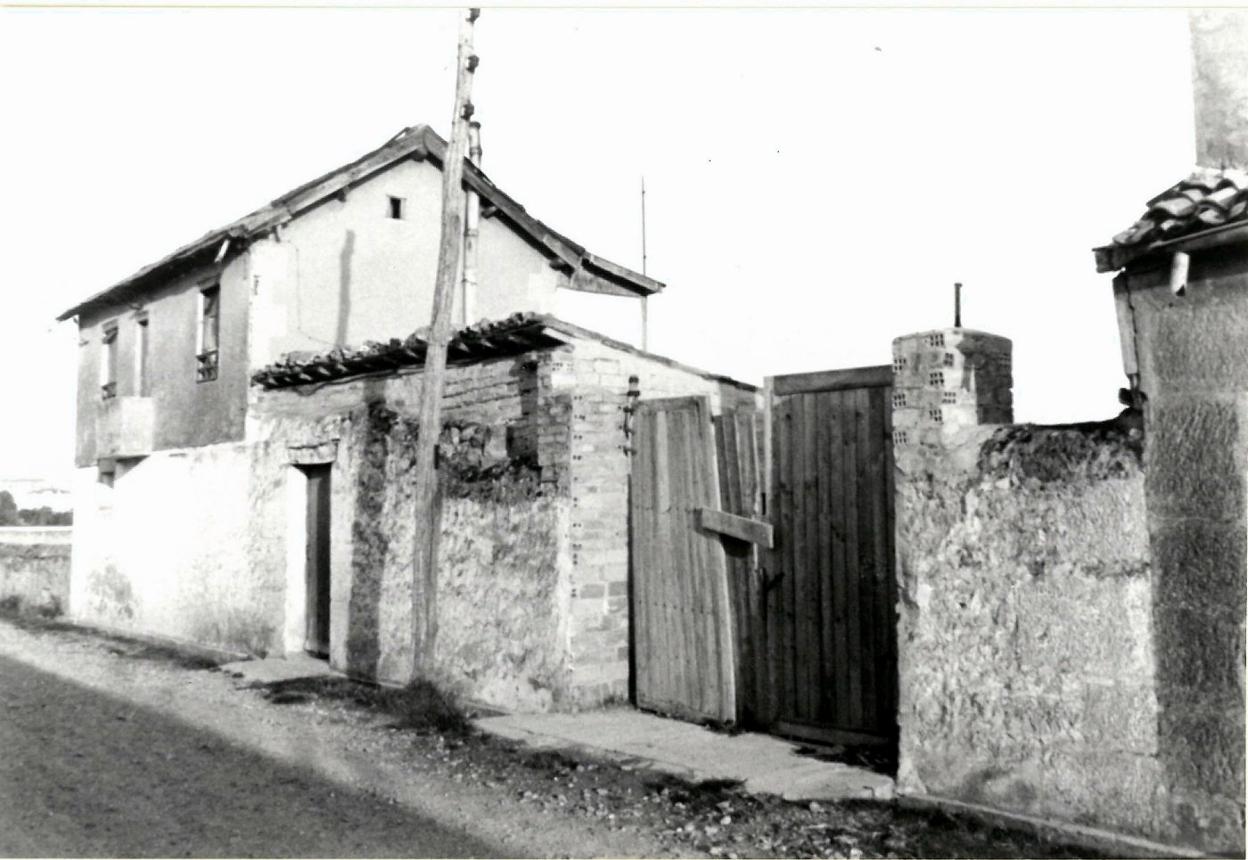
(816,179)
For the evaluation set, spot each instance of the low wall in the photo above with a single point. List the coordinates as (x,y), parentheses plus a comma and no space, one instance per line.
(1025,624)
(34,568)
(169,549)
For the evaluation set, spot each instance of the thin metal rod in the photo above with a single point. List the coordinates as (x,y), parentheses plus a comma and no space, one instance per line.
(957,304)
(643,225)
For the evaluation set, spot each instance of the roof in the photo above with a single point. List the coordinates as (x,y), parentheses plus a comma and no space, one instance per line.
(588,271)
(1209,199)
(517,334)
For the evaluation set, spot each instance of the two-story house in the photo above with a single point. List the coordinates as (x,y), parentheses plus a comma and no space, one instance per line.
(240,480)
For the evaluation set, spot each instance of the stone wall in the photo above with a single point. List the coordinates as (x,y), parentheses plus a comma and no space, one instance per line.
(502,556)
(1189,353)
(34,569)
(533,553)
(1025,639)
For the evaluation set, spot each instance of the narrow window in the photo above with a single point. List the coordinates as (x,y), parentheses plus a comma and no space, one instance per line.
(397,205)
(206,353)
(108,362)
(141,386)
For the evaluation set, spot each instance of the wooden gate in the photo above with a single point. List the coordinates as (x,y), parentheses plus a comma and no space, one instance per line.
(829,580)
(682,619)
(762,559)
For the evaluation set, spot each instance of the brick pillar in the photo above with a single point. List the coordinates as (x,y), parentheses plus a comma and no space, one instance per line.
(948,379)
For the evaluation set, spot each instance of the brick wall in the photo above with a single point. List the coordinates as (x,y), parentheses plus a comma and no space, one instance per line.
(597,377)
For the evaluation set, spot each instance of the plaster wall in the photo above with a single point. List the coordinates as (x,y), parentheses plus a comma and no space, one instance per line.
(346,272)
(1220,86)
(185,412)
(1026,657)
(176,548)
(1191,354)
(34,568)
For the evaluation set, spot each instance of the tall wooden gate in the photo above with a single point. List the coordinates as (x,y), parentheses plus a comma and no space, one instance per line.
(682,619)
(762,559)
(830,588)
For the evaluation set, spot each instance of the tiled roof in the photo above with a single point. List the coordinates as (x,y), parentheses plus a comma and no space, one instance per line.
(1207,199)
(514,335)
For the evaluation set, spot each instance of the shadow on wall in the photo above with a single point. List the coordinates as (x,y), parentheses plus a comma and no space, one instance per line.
(370,541)
(344,287)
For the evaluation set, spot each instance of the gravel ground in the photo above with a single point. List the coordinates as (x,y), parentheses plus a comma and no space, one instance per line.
(433,776)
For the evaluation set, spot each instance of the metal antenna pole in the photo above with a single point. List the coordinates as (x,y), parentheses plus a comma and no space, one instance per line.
(645,310)
(957,304)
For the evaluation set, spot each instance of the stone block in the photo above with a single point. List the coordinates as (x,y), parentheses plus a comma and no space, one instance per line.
(1198,655)
(1205,820)
(1192,460)
(1201,565)
(1198,344)
(1204,750)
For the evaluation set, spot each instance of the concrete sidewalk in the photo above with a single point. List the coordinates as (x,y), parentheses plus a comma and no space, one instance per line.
(764,764)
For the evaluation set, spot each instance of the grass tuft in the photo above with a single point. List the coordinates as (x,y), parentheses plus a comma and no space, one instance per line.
(421,706)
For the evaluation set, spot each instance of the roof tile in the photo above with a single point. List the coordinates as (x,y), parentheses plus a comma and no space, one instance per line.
(1208,198)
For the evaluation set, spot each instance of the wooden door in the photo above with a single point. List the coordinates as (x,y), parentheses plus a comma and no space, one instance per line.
(682,622)
(829,583)
(316,640)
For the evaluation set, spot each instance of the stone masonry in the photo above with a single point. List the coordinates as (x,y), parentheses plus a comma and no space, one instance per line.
(1025,651)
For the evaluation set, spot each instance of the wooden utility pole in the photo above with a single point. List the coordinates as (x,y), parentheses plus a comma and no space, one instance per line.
(424,572)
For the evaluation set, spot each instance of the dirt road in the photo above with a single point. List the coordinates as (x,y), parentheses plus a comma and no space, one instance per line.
(86,773)
(115,747)
(112,748)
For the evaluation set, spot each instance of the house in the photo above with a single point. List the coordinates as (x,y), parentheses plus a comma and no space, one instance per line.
(275,517)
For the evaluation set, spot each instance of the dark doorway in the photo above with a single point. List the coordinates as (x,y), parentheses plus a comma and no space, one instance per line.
(316,639)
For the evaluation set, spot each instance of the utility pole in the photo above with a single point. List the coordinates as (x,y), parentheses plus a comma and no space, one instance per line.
(425,479)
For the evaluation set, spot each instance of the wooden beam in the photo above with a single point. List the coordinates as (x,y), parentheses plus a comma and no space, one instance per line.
(741,528)
(833,380)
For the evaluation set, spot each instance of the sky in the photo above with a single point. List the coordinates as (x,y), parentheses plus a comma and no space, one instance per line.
(816,179)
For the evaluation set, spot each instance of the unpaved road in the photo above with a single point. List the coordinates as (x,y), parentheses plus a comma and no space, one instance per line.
(107,752)
(85,773)
(113,747)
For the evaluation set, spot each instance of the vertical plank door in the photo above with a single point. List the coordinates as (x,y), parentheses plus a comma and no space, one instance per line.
(682,612)
(829,590)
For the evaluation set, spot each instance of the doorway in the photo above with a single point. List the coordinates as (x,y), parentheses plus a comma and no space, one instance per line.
(316,569)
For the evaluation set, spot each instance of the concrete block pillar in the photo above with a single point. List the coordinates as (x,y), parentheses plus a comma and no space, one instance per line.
(948,379)
(946,383)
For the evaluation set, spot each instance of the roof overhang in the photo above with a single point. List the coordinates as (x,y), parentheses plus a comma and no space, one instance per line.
(1111,258)
(586,271)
